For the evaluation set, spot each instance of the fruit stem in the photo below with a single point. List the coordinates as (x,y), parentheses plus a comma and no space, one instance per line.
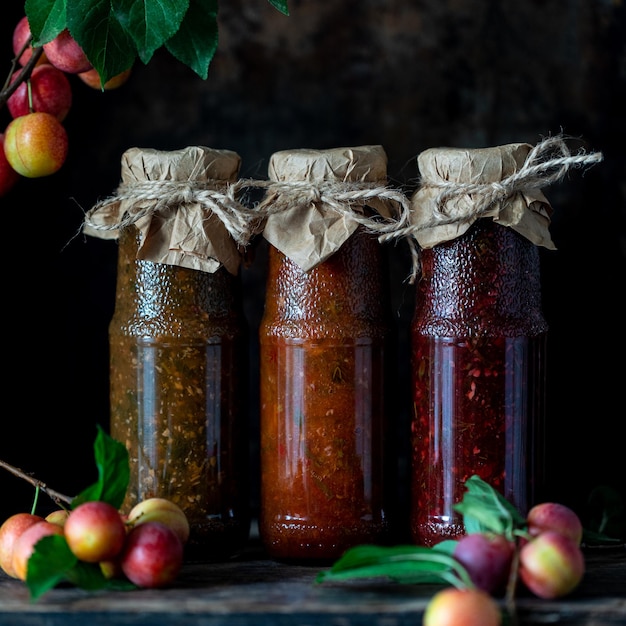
(51,493)
(29,89)
(35,500)
(511,587)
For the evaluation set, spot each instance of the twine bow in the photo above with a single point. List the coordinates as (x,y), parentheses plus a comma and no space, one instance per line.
(343,197)
(546,163)
(167,194)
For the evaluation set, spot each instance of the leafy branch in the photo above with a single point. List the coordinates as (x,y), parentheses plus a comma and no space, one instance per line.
(115,33)
(483,509)
(52,561)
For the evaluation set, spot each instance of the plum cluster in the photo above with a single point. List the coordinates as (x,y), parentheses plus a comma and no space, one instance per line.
(146,546)
(35,142)
(546,558)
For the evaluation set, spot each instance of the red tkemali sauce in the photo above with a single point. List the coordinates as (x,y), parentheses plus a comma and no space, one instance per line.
(322,349)
(478,368)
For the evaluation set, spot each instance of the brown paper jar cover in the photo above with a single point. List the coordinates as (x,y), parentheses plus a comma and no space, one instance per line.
(186,234)
(307,230)
(527,212)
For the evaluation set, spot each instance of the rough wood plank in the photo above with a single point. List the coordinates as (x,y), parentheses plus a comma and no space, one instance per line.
(253,591)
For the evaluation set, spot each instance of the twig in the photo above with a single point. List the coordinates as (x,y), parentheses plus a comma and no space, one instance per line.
(54,495)
(23,75)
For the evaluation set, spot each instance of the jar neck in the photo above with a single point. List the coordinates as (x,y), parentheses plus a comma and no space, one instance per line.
(156,289)
(350,285)
(485,282)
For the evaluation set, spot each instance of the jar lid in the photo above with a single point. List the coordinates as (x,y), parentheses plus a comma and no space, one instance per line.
(361,163)
(478,165)
(197,163)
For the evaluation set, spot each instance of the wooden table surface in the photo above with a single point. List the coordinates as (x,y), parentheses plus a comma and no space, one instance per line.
(251,590)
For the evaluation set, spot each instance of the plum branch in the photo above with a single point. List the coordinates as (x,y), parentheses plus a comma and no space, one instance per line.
(57,497)
(24,74)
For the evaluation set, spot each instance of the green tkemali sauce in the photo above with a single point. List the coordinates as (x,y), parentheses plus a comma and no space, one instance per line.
(178,375)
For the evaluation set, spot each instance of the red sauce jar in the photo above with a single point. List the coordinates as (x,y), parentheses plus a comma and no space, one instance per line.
(178,355)
(323,345)
(478,343)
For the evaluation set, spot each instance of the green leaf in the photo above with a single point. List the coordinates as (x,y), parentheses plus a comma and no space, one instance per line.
(113,472)
(150,22)
(367,554)
(483,510)
(48,565)
(46,19)
(403,564)
(196,41)
(486,510)
(403,572)
(115,33)
(52,562)
(607,516)
(97,29)
(281,5)
(87,576)
(447,546)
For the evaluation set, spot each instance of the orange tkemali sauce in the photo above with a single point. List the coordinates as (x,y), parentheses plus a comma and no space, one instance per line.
(323,423)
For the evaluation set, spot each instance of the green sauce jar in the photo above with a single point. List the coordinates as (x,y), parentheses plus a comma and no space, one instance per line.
(178,344)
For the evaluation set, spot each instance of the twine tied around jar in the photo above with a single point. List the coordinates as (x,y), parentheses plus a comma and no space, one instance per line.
(546,163)
(153,196)
(487,185)
(345,198)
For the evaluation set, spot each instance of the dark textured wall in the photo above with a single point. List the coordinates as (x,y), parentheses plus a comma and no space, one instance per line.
(409,75)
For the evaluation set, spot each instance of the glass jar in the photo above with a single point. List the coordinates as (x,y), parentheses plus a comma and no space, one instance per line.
(478,348)
(178,367)
(323,347)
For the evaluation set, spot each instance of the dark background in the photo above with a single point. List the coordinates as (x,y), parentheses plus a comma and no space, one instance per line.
(406,74)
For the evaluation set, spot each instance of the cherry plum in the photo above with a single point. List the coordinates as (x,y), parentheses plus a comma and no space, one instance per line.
(462,607)
(51,92)
(152,556)
(161,510)
(95,531)
(487,559)
(36,144)
(551,565)
(554,516)
(92,79)
(10,532)
(21,35)
(26,542)
(65,53)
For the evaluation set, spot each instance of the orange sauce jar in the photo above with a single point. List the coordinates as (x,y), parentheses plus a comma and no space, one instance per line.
(323,349)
